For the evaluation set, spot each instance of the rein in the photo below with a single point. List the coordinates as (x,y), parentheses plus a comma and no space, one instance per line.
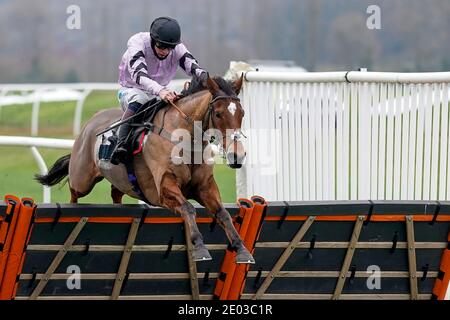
(127,119)
(184,115)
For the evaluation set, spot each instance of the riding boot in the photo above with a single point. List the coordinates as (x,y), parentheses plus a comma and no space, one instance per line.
(120,153)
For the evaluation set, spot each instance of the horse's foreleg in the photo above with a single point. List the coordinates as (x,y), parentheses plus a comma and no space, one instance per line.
(172,198)
(209,196)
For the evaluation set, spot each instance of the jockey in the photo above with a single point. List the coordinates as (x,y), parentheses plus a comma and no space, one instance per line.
(148,65)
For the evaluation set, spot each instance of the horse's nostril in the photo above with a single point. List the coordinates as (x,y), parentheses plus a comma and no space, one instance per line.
(235,165)
(235,159)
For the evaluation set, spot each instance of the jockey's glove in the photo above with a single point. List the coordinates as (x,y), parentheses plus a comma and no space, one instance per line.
(203,77)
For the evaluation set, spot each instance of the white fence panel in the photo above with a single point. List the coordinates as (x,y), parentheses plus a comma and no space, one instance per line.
(444,163)
(347,136)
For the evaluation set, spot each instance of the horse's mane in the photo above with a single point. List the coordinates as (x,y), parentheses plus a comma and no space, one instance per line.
(196,86)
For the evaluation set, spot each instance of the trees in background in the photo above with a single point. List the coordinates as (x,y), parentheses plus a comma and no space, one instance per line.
(317,34)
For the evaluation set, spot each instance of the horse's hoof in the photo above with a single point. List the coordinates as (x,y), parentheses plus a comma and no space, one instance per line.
(201,254)
(244,256)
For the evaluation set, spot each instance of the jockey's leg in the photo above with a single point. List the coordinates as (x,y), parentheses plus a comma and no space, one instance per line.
(208,195)
(172,198)
(120,152)
(131,100)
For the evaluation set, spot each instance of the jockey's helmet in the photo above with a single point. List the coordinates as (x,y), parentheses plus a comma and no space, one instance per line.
(166,30)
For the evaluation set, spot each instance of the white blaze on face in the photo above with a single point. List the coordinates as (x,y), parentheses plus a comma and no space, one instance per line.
(232,108)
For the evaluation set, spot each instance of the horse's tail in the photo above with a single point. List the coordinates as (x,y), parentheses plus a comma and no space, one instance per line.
(59,170)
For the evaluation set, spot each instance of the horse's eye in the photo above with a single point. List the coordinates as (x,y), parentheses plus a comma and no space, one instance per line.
(218,114)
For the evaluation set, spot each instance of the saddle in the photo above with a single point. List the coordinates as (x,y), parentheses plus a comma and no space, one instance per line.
(140,125)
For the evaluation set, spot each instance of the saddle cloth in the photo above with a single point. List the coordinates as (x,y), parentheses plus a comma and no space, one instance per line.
(122,176)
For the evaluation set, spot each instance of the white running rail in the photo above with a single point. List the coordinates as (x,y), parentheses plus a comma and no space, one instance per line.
(34,143)
(68,92)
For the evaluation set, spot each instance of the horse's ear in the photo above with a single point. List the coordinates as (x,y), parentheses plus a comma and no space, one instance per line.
(237,85)
(212,85)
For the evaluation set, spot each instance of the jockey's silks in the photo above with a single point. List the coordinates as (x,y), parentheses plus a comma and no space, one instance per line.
(141,68)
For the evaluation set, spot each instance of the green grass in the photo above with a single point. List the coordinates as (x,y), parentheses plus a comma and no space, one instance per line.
(17,165)
(55,118)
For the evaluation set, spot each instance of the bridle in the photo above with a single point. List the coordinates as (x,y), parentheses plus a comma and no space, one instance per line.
(208,116)
(236,135)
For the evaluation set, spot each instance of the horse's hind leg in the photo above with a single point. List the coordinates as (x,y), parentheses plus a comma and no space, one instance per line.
(82,188)
(116,195)
(73,196)
(83,173)
(172,198)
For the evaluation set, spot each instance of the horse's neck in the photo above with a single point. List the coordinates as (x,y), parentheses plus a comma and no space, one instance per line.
(196,106)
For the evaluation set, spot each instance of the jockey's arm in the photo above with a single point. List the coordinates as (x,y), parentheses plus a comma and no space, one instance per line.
(188,63)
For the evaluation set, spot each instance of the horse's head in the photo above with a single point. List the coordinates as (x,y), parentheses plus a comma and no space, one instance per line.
(225,115)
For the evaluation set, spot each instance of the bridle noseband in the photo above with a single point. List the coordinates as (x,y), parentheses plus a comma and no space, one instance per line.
(211,108)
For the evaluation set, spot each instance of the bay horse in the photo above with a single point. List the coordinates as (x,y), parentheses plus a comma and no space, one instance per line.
(164,183)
